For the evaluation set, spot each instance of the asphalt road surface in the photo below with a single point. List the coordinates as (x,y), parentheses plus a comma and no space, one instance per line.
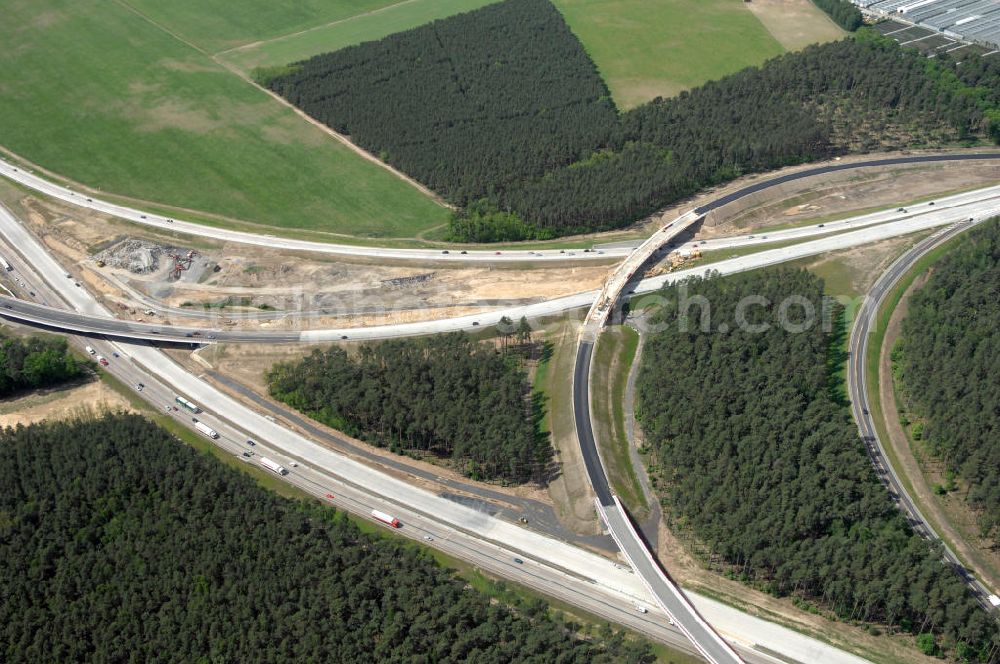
(979,205)
(668,595)
(551,566)
(857,385)
(87,200)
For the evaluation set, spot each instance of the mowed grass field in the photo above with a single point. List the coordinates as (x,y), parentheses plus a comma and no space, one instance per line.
(217,25)
(360,28)
(650,48)
(95,92)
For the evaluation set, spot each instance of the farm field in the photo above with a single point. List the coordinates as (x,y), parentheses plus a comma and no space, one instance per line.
(217,25)
(359,28)
(125,107)
(796,23)
(650,48)
(637,44)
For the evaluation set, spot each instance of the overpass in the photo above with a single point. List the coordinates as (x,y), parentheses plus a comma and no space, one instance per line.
(667,594)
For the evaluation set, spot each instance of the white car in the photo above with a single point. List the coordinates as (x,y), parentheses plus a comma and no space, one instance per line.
(641,609)
(91,351)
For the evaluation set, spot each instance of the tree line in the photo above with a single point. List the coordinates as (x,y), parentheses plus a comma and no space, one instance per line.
(843,13)
(502,112)
(119,544)
(948,359)
(445,395)
(760,462)
(35,362)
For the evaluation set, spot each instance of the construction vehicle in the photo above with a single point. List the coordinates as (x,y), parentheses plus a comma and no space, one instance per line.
(181,263)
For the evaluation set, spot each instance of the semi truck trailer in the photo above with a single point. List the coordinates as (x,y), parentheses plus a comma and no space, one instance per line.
(387,519)
(273,466)
(207,430)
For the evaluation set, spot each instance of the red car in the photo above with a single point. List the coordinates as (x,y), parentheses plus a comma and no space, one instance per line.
(103,361)
(330,496)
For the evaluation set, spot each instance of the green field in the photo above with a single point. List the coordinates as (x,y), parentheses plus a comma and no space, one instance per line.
(99,94)
(650,48)
(216,25)
(643,48)
(332,37)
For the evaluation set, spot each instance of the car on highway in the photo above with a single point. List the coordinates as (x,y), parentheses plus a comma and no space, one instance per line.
(102,360)
(246,454)
(445,252)
(329,496)
(91,351)
(251,442)
(518,561)
(428,538)
(140,387)
(641,609)
(463,251)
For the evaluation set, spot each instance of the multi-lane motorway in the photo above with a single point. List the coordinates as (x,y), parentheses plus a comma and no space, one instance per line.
(550,565)
(90,201)
(842,234)
(413,504)
(857,385)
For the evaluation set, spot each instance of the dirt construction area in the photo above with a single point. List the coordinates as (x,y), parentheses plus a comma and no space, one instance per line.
(61,403)
(156,276)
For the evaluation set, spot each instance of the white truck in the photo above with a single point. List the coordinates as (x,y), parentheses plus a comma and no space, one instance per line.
(207,430)
(387,519)
(273,466)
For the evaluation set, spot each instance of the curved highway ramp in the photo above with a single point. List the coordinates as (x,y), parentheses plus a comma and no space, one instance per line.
(667,594)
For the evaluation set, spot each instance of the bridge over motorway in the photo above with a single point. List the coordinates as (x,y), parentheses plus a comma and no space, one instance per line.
(667,594)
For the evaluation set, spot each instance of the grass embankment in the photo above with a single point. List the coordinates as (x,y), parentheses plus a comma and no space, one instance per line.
(873,376)
(126,106)
(612,363)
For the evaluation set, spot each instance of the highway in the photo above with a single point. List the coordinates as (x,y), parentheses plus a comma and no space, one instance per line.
(32,181)
(551,566)
(88,320)
(857,385)
(668,595)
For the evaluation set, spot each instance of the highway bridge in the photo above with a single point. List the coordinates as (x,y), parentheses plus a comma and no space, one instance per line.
(667,594)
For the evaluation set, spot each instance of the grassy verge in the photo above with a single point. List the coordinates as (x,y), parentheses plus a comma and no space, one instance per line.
(613,359)
(873,370)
